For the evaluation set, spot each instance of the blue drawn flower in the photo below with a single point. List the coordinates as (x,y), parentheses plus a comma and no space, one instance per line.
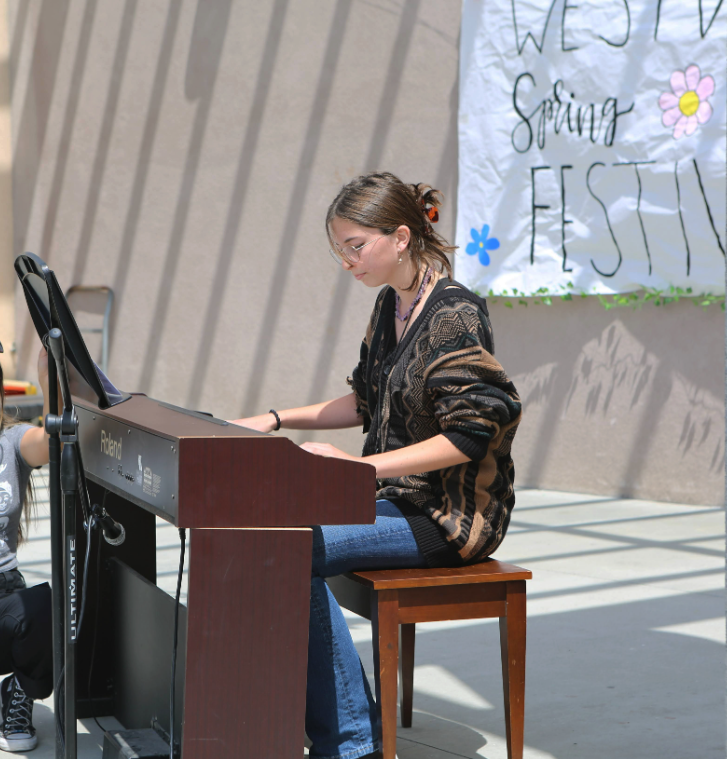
(480,244)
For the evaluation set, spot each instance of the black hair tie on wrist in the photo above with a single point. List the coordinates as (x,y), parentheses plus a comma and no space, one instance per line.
(277,419)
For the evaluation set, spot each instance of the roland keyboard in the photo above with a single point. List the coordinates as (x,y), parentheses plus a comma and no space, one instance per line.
(197,471)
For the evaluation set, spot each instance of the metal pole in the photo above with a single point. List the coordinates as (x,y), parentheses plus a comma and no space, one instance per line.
(57,547)
(69,486)
(65,427)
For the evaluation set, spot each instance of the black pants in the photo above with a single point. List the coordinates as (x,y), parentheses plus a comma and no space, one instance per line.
(26,634)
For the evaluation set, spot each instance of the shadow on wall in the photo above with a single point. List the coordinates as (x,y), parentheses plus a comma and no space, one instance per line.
(294,213)
(372,162)
(237,200)
(33,121)
(205,53)
(624,391)
(144,162)
(446,177)
(49,26)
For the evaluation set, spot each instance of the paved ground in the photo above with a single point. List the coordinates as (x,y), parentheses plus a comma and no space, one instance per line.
(626,638)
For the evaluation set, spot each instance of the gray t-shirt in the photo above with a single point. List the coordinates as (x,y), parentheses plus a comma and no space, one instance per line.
(14,476)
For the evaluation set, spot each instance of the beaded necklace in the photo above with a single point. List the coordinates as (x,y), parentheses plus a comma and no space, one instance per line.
(416,300)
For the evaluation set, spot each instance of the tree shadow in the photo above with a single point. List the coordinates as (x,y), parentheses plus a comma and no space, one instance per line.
(644,363)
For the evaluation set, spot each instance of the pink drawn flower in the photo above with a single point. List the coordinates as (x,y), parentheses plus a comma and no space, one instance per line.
(686,106)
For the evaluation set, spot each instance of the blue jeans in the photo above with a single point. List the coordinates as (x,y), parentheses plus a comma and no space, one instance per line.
(340,718)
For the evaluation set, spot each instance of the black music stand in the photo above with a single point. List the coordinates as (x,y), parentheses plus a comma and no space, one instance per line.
(58,330)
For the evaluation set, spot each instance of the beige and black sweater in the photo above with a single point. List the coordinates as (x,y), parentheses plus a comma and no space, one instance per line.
(442,377)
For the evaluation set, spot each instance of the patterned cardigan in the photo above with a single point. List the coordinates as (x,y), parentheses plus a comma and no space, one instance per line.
(442,377)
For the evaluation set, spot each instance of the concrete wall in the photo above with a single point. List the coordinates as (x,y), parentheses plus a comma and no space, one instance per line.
(618,402)
(185,153)
(7,295)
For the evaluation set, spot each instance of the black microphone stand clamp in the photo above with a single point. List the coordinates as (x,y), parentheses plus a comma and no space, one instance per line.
(113,532)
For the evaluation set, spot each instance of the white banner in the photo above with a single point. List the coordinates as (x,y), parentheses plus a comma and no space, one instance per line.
(592,145)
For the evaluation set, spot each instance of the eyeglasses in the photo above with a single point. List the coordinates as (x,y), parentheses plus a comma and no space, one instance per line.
(351,254)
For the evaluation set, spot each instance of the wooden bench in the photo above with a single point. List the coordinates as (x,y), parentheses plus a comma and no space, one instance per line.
(396,599)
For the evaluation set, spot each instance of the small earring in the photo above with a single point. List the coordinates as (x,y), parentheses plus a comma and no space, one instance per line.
(400,256)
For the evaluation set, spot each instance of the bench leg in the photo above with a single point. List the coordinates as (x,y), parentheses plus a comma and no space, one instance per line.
(406,672)
(385,632)
(512,648)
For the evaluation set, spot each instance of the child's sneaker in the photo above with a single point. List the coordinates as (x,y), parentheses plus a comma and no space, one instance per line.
(17,732)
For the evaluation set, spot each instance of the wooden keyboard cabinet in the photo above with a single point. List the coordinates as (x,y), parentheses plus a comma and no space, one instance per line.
(247,501)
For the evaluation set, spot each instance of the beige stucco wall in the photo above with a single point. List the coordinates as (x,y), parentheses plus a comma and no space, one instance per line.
(184,153)
(619,402)
(7,310)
